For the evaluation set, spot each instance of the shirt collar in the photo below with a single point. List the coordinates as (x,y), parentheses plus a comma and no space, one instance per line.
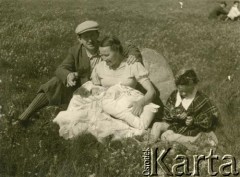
(90,56)
(186,102)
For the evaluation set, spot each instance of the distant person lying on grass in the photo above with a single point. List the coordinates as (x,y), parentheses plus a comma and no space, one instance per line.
(75,70)
(112,93)
(188,114)
(234,13)
(219,12)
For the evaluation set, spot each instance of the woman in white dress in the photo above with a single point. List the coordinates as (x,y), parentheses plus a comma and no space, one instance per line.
(111,92)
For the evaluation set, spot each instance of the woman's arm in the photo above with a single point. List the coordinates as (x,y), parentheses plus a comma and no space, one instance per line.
(148,98)
(94,76)
(141,75)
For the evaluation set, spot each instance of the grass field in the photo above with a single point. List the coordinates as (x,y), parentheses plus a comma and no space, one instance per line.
(34,39)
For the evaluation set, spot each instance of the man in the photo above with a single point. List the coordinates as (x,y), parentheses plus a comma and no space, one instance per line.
(219,12)
(74,70)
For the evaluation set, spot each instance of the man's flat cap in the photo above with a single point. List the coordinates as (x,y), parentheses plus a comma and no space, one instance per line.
(87,26)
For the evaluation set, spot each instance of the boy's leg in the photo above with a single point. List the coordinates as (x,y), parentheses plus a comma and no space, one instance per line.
(170,136)
(157,129)
(186,141)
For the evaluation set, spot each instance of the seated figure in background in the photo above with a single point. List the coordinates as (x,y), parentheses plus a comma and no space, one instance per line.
(219,12)
(234,13)
(188,113)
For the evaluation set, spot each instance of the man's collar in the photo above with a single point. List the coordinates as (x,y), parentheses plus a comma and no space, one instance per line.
(90,56)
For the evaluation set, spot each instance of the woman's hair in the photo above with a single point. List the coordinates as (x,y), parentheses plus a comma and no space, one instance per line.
(113,42)
(186,77)
(236,2)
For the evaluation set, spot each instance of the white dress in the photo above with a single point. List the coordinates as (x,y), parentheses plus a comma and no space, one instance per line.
(107,113)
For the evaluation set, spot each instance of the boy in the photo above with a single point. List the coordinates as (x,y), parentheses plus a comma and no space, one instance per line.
(187,113)
(219,12)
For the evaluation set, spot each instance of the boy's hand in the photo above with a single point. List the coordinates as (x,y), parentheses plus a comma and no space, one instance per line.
(189,121)
(183,116)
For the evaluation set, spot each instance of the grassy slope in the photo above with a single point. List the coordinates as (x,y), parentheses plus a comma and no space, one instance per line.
(34,39)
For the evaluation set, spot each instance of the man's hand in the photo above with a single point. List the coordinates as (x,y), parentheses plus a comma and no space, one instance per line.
(131,59)
(71,79)
(183,116)
(189,121)
(137,108)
